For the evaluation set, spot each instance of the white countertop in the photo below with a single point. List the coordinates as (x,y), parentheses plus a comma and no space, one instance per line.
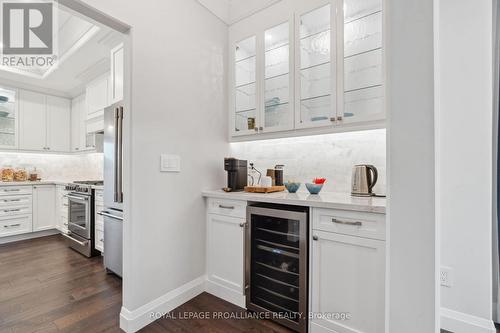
(44,182)
(323,200)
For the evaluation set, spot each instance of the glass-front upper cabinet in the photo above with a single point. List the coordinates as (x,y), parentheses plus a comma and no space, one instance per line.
(245,98)
(278,110)
(363,65)
(8,119)
(316,72)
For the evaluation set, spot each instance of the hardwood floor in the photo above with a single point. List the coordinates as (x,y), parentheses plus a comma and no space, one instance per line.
(46,287)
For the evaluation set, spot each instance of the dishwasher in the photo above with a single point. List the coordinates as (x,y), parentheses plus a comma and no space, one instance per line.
(276,263)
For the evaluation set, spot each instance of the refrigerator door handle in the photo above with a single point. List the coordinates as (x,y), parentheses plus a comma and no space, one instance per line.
(116,121)
(120,154)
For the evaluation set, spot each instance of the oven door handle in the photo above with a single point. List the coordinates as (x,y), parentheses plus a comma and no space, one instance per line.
(77,198)
(107,214)
(75,240)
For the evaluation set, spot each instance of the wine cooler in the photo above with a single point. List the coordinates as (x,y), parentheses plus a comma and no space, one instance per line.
(277,263)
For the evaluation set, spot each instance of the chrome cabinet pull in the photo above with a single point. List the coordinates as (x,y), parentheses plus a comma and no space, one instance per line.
(226,207)
(315,238)
(12,226)
(12,190)
(12,200)
(243,225)
(12,210)
(357,224)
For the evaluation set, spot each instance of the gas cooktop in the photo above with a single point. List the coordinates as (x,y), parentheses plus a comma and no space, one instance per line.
(90,182)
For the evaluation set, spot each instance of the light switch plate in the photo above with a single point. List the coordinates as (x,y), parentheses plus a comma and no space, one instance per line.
(170,163)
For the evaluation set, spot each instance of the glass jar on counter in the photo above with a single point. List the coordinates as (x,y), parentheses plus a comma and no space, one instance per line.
(7,173)
(21,175)
(33,174)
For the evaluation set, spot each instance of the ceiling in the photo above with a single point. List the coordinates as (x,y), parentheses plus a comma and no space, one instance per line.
(231,11)
(84,54)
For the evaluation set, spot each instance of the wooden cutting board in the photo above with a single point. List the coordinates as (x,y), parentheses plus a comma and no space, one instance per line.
(259,189)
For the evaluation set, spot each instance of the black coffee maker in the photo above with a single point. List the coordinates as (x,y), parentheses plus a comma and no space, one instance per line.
(237,174)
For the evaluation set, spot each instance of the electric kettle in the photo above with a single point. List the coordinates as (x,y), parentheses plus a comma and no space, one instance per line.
(364,178)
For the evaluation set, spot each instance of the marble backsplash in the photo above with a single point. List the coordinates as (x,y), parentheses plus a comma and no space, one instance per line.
(331,156)
(58,167)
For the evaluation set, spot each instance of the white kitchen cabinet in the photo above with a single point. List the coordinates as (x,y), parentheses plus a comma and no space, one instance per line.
(307,66)
(78,124)
(348,283)
(99,221)
(117,74)
(58,124)
(9,118)
(44,207)
(33,121)
(97,97)
(15,210)
(261,73)
(61,209)
(44,122)
(225,256)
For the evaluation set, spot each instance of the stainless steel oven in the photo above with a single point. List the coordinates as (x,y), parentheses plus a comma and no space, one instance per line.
(81,219)
(79,214)
(276,273)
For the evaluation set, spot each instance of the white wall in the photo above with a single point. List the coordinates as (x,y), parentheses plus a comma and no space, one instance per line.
(178,106)
(411,271)
(58,167)
(464,165)
(331,156)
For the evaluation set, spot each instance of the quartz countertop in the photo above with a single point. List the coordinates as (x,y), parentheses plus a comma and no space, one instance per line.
(45,182)
(41,182)
(342,201)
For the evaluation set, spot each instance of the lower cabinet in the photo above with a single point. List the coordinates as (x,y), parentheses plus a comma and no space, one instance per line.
(99,221)
(225,257)
(44,207)
(348,283)
(15,225)
(62,206)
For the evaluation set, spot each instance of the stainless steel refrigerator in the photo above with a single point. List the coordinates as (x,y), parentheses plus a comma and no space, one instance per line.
(113,189)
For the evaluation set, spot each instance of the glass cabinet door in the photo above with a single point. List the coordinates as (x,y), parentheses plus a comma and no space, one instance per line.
(363,73)
(8,119)
(316,72)
(277,108)
(246,115)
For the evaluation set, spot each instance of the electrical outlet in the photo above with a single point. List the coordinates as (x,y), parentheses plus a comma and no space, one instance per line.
(446,277)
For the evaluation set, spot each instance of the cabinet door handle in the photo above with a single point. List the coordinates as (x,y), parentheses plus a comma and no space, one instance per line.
(340,118)
(243,225)
(12,190)
(101,240)
(12,226)
(226,207)
(12,200)
(315,238)
(333,119)
(357,224)
(12,210)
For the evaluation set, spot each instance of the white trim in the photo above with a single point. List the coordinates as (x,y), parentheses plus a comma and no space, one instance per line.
(31,235)
(458,322)
(133,321)
(225,293)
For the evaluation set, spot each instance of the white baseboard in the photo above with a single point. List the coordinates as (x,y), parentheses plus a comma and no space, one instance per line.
(458,322)
(225,293)
(31,235)
(133,321)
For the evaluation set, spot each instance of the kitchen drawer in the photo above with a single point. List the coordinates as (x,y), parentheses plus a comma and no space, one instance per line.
(16,225)
(99,240)
(15,190)
(99,224)
(99,196)
(15,200)
(227,207)
(16,210)
(64,224)
(367,225)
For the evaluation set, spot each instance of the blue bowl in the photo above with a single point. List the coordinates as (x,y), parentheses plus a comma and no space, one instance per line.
(292,187)
(314,188)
